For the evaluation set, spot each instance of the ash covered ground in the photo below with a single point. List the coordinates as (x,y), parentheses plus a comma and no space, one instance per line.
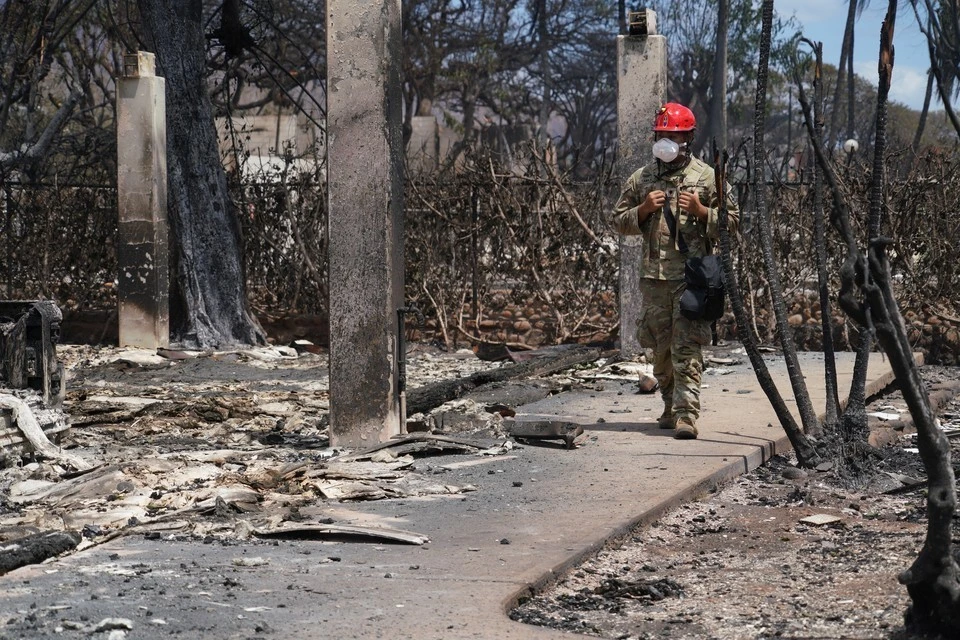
(779,553)
(219,447)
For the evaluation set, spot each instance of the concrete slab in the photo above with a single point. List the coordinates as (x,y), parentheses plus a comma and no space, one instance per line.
(535,514)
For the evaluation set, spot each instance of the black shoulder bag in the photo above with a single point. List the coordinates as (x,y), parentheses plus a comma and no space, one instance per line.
(704,297)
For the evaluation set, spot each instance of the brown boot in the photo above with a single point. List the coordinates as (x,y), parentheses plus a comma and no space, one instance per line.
(665,421)
(685,429)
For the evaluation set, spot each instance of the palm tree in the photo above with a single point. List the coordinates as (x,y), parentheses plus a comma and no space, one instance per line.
(807,453)
(845,71)
(867,296)
(718,105)
(928,94)
(941,27)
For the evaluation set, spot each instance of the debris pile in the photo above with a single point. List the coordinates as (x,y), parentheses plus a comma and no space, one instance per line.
(234,445)
(226,445)
(32,379)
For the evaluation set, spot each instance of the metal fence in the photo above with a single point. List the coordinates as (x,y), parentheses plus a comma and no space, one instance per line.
(59,241)
(477,242)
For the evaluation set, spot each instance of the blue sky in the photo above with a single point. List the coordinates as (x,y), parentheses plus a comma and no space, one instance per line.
(824,21)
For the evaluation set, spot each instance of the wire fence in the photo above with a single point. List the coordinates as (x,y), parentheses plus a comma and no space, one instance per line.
(492,253)
(59,242)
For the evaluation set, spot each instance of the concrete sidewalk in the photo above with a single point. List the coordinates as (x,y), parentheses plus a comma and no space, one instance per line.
(535,514)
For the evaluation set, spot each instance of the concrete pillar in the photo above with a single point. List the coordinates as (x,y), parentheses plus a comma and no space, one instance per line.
(365,186)
(641,90)
(142,257)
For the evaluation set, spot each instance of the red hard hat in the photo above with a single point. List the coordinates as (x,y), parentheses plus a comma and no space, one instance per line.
(674,117)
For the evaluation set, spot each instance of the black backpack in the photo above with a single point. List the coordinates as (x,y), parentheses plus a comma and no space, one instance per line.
(704,297)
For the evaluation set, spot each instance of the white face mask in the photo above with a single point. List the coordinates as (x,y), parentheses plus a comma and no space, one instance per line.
(666,150)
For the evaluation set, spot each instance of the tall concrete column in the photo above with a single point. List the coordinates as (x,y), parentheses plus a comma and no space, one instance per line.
(142,257)
(641,90)
(365,186)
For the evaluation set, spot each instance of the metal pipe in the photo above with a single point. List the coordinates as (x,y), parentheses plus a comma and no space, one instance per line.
(402,367)
(475,213)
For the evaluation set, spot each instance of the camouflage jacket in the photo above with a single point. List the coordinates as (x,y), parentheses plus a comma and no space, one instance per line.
(662,259)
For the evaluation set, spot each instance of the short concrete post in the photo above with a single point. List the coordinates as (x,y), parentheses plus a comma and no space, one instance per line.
(642,87)
(142,257)
(365,186)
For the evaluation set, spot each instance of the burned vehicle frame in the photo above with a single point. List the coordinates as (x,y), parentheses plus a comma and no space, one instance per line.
(29,333)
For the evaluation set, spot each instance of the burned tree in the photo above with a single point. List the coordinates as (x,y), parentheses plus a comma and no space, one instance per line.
(820,247)
(806,452)
(807,414)
(32,35)
(847,445)
(941,27)
(933,580)
(867,295)
(208,291)
(847,431)
(802,445)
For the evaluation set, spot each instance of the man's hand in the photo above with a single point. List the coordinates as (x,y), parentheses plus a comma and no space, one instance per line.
(690,202)
(653,201)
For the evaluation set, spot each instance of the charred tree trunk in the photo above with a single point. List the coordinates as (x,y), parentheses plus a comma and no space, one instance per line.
(854,427)
(846,50)
(942,85)
(807,454)
(808,416)
(851,89)
(545,71)
(208,295)
(424,399)
(922,124)
(849,440)
(933,580)
(718,106)
(832,408)
(853,422)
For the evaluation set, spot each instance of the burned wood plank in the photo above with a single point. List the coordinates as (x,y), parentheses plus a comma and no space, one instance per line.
(417,443)
(545,430)
(423,399)
(511,393)
(91,413)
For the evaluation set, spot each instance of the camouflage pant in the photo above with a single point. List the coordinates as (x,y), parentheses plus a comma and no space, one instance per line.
(676,343)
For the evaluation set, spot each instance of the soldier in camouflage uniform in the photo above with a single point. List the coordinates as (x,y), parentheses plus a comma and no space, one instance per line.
(687,186)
